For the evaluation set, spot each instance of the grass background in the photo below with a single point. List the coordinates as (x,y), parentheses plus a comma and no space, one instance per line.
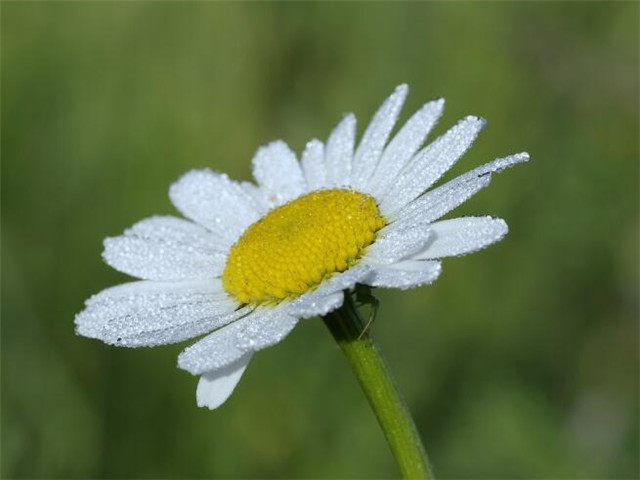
(520,362)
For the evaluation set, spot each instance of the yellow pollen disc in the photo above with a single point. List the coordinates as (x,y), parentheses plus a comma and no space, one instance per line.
(295,247)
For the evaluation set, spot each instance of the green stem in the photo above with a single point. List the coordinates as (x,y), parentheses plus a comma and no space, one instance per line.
(349,329)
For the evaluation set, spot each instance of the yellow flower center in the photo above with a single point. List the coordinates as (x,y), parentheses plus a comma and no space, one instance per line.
(296,246)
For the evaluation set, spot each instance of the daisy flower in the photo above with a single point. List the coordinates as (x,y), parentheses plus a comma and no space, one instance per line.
(251,260)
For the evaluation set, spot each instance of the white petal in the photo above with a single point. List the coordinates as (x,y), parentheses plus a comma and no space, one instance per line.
(394,244)
(266,329)
(339,152)
(314,304)
(215,201)
(438,202)
(258,195)
(256,331)
(460,236)
(124,291)
(216,386)
(404,146)
(216,350)
(166,248)
(404,275)
(375,137)
(341,281)
(154,313)
(177,230)
(313,165)
(430,164)
(278,172)
(328,295)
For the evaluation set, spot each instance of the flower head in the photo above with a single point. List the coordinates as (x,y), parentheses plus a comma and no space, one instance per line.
(251,260)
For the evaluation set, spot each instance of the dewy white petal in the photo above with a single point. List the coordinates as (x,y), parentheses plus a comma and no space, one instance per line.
(436,203)
(405,274)
(215,201)
(440,201)
(328,296)
(338,153)
(152,313)
(311,305)
(216,350)
(313,165)
(375,137)
(258,330)
(258,195)
(266,329)
(211,287)
(394,244)
(430,164)
(500,164)
(460,236)
(216,386)
(341,281)
(177,230)
(404,146)
(278,172)
(166,248)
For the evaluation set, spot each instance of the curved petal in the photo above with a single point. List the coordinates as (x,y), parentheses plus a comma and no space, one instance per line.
(394,244)
(460,236)
(267,328)
(328,295)
(430,164)
(166,248)
(404,275)
(278,173)
(375,137)
(341,281)
(155,313)
(216,386)
(258,195)
(314,304)
(338,153)
(260,329)
(440,201)
(313,165)
(404,146)
(215,201)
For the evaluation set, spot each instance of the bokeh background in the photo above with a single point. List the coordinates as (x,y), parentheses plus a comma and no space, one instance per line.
(520,362)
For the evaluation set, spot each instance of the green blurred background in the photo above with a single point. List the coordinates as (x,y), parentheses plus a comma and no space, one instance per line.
(520,362)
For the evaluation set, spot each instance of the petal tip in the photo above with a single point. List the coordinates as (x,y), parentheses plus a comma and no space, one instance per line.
(402,89)
(502,227)
(216,386)
(480,121)
(176,187)
(271,146)
(438,103)
(349,119)
(313,143)
(107,248)
(434,107)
